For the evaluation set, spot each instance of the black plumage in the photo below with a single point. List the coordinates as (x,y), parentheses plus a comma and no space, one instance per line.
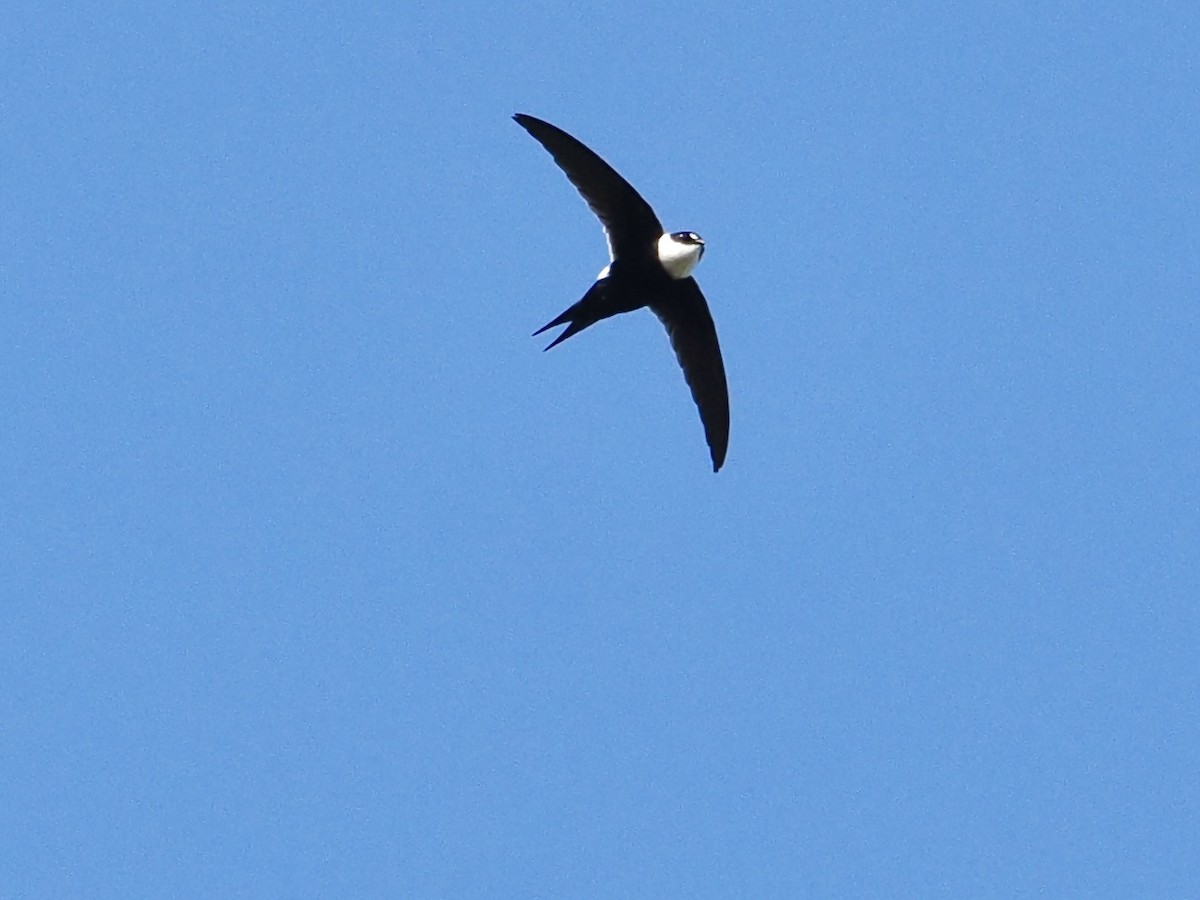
(639,276)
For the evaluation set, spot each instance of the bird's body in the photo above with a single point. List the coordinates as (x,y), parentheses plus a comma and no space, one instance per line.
(648,267)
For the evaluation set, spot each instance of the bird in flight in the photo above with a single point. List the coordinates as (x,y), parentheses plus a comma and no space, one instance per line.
(647,267)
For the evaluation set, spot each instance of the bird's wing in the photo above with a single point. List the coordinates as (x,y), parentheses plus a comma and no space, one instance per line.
(681,308)
(629,223)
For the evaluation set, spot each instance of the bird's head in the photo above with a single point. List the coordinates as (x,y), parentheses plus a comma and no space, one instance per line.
(679,252)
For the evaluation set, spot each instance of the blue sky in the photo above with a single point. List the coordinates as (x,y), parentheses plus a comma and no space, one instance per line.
(320,579)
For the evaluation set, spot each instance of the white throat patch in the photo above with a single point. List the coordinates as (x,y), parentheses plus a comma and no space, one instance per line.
(677,257)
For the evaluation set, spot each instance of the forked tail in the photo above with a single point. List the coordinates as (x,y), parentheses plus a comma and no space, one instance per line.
(588,311)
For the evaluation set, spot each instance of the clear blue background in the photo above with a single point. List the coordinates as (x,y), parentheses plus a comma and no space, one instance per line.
(320,579)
